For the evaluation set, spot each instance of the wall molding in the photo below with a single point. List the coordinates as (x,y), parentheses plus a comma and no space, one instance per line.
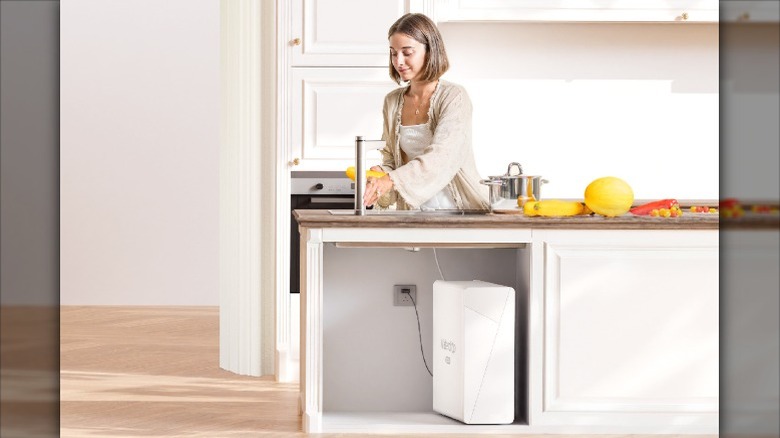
(287,368)
(247,271)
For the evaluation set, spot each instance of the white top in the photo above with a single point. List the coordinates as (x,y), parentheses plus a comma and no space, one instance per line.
(413,141)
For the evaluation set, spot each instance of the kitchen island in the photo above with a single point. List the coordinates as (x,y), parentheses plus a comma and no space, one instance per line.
(617,319)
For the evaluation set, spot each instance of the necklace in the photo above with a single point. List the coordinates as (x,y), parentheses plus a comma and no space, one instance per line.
(417,108)
(422,102)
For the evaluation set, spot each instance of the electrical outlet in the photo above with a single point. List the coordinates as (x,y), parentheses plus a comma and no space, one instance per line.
(401,294)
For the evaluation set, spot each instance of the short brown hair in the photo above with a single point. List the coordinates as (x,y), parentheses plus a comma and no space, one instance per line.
(424,31)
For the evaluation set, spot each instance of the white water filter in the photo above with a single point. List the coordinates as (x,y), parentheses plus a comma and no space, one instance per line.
(474,351)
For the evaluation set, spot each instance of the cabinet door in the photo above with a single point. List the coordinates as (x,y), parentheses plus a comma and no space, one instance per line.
(749,11)
(574,10)
(627,329)
(751,308)
(330,106)
(343,32)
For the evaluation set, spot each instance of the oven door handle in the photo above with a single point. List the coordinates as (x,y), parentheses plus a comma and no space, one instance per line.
(325,200)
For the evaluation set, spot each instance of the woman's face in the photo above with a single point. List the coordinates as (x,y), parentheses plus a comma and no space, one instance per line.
(408,56)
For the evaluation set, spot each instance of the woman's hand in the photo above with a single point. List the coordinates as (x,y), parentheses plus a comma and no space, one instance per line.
(376,187)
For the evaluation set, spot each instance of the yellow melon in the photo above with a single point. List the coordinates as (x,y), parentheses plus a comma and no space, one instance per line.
(609,196)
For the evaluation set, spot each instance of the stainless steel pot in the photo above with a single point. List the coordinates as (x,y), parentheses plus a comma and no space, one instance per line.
(506,190)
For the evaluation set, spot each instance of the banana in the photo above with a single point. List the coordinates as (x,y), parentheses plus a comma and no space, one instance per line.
(553,208)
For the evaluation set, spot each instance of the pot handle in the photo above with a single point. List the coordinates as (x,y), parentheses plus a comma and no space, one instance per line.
(491,182)
(509,169)
(544,181)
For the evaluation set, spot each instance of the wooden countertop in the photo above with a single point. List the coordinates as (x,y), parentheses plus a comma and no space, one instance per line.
(324,219)
(752,222)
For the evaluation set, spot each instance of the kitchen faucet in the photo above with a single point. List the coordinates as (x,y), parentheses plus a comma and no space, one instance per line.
(360,171)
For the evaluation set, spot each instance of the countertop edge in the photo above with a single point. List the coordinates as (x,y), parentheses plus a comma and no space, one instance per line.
(323,219)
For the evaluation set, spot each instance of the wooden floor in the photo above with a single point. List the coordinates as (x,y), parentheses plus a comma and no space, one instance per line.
(154,372)
(29,371)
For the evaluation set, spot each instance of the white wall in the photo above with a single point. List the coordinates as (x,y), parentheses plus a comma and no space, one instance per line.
(750,105)
(28,155)
(577,101)
(139,133)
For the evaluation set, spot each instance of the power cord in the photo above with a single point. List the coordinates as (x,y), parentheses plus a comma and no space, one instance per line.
(419,332)
(435,257)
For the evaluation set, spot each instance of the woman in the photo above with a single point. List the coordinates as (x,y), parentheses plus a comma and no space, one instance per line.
(428,156)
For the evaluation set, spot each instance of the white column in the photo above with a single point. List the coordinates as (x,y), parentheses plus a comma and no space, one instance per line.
(287,365)
(311,332)
(247,188)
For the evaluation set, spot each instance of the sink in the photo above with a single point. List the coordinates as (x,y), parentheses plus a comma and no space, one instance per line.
(443,212)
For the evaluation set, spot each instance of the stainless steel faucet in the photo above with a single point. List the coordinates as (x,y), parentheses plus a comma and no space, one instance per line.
(360,171)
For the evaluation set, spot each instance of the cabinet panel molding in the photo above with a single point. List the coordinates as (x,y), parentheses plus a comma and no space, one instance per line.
(614,318)
(332,106)
(343,32)
(624,329)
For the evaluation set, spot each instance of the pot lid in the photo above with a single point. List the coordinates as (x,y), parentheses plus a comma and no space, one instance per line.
(514,176)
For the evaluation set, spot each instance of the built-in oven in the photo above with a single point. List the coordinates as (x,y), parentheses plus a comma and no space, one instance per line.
(315,190)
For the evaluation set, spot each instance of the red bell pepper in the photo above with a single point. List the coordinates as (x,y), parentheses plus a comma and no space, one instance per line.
(645,209)
(728,203)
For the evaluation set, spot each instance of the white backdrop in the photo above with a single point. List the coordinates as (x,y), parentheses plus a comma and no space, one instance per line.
(574,102)
(139,161)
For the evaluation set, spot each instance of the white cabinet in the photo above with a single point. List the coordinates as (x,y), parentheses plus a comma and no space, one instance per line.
(323,39)
(624,328)
(334,78)
(750,11)
(343,32)
(330,106)
(750,281)
(574,10)
(618,334)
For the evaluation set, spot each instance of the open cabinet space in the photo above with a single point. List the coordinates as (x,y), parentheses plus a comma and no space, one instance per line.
(373,371)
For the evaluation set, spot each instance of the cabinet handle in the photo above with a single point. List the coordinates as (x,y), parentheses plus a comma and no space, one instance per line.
(295,162)
(296,42)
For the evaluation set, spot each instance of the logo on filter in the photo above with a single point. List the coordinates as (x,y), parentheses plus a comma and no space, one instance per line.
(448,345)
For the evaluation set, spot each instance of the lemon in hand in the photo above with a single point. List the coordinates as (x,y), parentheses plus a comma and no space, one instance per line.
(369,173)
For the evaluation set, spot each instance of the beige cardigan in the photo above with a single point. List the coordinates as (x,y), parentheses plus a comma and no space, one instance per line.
(447,162)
